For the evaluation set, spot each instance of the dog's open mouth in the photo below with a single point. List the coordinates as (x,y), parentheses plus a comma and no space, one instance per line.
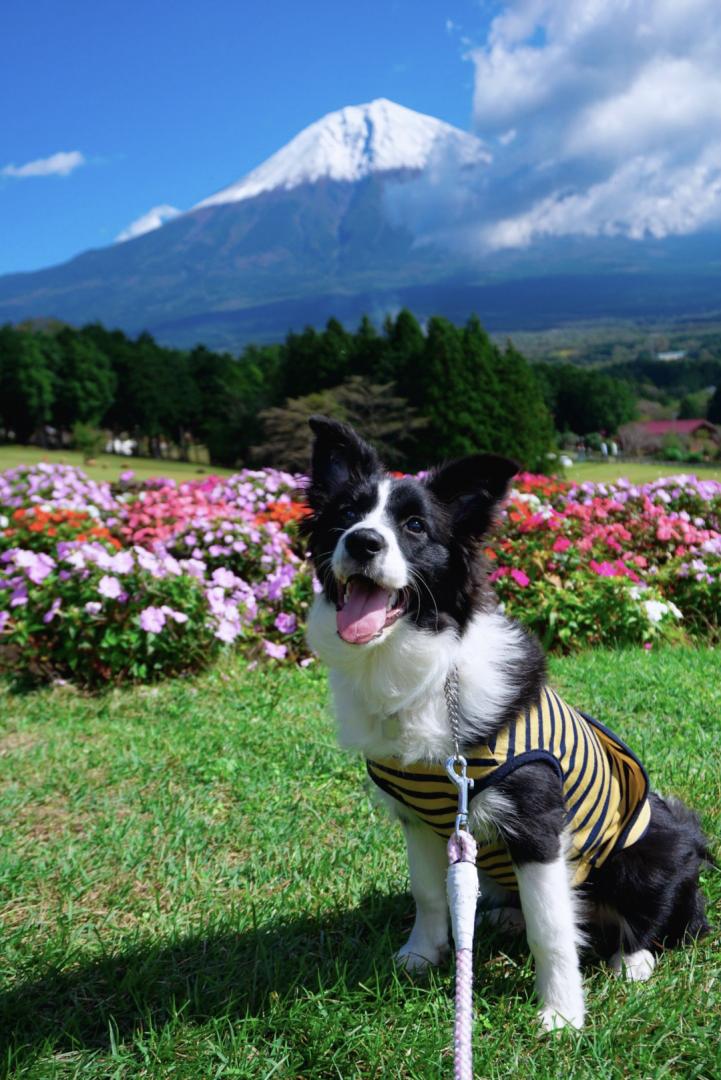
(365,609)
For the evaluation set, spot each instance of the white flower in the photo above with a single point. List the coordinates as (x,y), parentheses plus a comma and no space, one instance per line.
(655,610)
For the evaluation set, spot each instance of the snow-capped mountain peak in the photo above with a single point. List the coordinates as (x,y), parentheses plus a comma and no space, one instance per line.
(352,143)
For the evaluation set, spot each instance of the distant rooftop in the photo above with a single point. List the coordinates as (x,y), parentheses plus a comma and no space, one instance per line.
(671,354)
(674,427)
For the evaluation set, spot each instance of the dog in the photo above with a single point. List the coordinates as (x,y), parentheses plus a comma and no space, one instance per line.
(568,829)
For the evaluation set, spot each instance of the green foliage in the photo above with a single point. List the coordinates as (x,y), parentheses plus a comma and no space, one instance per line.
(387,420)
(108,645)
(694,406)
(477,398)
(472,395)
(88,440)
(583,400)
(27,383)
(84,380)
(713,412)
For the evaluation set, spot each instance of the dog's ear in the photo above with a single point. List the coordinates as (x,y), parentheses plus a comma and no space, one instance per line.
(471,488)
(339,455)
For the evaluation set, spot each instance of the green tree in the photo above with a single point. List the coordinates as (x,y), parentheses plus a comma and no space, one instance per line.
(524,429)
(85,381)
(404,348)
(27,384)
(387,420)
(714,406)
(584,400)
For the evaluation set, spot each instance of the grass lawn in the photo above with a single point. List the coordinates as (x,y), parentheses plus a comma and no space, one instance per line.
(637,473)
(107,466)
(195,884)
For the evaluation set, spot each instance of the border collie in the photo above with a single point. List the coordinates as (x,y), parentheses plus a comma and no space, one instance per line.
(567,827)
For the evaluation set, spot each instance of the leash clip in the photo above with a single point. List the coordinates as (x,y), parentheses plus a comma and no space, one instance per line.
(464,783)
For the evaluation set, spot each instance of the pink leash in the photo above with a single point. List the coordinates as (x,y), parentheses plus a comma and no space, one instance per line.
(462,888)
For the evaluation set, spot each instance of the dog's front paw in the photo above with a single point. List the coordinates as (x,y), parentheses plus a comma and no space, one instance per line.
(553,1019)
(416,957)
(635,967)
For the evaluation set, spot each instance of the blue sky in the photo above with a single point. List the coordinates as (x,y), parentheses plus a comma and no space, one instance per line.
(167,102)
(601,117)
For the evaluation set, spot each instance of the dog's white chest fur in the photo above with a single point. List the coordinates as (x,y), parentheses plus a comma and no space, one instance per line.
(389,696)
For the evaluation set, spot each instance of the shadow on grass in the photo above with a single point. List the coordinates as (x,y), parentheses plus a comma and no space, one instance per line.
(216,974)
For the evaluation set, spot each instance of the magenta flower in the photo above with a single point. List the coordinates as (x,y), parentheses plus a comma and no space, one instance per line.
(520,578)
(152,620)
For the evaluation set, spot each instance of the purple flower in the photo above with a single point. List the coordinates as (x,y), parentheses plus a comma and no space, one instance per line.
(176,616)
(93,607)
(277,652)
(285,623)
(18,596)
(52,610)
(227,632)
(225,579)
(109,587)
(122,563)
(37,567)
(152,620)
(4,619)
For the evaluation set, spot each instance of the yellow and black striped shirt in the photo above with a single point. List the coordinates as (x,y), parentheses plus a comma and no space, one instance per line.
(605,787)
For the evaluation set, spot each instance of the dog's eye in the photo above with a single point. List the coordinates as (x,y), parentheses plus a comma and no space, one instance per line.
(347,515)
(415,525)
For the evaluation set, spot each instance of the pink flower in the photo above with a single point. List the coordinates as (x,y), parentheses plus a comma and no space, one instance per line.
(93,607)
(502,571)
(520,578)
(603,569)
(561,543)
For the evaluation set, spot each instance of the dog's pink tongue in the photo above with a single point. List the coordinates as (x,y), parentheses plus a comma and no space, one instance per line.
(364,613)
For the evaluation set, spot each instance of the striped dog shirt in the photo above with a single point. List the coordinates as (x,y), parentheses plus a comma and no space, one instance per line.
(605,787)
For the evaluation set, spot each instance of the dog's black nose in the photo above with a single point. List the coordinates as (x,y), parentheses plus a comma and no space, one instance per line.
(363,544)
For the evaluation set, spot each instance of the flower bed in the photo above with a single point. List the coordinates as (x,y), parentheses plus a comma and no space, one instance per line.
(101,583)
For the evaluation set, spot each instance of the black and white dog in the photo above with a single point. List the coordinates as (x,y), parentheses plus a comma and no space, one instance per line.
(405,603)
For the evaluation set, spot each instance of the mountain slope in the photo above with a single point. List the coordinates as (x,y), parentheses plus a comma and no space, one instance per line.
(312,232)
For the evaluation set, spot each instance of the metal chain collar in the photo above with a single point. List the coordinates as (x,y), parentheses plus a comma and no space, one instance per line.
(461,779)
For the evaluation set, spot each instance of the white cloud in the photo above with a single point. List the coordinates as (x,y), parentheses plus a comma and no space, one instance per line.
(60,164)
(616,106)
(152,220)
(605,120)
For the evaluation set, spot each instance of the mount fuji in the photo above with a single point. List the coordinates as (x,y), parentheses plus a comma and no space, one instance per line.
(321,229)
